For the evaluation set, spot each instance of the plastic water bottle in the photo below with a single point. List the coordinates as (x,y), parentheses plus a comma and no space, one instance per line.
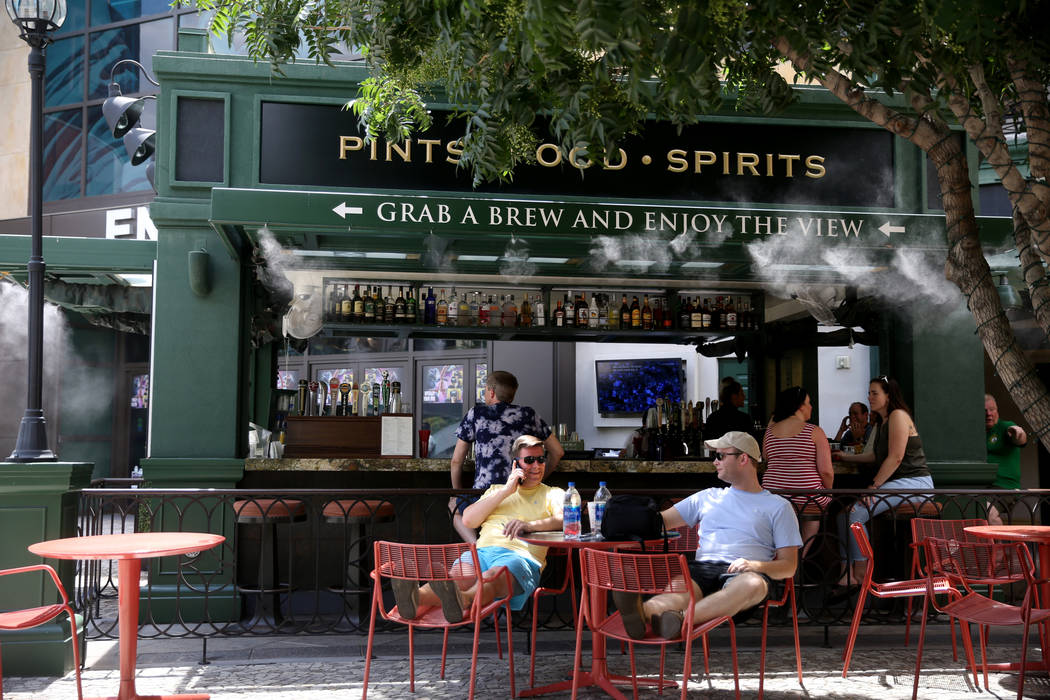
(570,515)
(601,497)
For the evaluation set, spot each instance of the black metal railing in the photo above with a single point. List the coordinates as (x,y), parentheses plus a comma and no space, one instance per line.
(298,561)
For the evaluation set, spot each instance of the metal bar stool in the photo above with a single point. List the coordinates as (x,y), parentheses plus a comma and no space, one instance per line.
(267,513)
(358,518)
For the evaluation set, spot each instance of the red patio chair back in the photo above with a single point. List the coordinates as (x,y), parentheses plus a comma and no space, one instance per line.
(969,564)
(424,564)
(603,572)
(32,617)
(555,555)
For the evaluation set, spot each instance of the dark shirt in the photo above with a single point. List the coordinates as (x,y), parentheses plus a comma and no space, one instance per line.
(723,420)
(493,429)
(914,461)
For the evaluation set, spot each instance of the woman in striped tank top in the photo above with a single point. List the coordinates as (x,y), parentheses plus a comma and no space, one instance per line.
(797,455)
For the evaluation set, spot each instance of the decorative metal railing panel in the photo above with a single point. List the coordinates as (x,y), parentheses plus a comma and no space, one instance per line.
(298,561)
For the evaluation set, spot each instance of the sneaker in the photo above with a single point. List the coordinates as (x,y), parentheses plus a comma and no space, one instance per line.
(451,604)
(631,612)
(668,624)
(406,595)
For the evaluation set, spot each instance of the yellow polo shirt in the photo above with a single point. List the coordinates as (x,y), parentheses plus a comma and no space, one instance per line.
(525,504)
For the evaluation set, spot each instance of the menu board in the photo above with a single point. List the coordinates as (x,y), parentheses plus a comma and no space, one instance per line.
(395,438)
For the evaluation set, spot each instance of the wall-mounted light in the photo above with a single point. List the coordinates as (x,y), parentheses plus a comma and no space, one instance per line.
(122,116)
(198,267)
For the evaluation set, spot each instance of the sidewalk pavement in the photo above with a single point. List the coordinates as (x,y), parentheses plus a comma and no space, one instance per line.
(309,667)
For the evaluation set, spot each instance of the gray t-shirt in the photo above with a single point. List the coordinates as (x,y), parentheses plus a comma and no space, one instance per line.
(738,524)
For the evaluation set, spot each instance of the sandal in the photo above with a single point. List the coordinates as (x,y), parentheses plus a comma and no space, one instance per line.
(631,612)
(668,624)
(406,595)
(451,604)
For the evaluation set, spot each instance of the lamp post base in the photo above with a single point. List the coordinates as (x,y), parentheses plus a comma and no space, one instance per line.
(32,439)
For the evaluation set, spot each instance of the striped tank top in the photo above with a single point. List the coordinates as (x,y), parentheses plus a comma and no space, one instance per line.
(791,463)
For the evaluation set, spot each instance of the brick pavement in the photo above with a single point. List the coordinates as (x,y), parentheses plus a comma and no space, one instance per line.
(304,668)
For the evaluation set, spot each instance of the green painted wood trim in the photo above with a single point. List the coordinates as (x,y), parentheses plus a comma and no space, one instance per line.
(167,472)
(46,650)
(75,253)
(950,475)
(172,100)
(43,477)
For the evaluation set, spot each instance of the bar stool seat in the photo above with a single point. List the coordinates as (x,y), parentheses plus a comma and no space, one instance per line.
(268,513)
(358,517)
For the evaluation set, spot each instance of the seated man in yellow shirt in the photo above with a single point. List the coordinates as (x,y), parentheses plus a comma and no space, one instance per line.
(524,504)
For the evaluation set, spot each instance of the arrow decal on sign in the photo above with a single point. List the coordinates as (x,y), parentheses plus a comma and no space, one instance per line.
(342,210)
(887,229)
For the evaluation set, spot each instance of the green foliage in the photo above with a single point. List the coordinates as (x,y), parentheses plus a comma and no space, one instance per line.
(596,69)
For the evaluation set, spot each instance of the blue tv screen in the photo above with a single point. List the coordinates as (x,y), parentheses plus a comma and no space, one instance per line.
(629,387)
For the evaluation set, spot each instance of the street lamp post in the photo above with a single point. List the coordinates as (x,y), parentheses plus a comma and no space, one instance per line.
(36,20)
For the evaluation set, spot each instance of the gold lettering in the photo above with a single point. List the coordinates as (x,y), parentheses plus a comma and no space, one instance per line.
(676,162)
(701,158)
(619,166)
(746,160)
(542,149)
(372,149)
(455,150)
(429,143)
(815,167)
(725,162)
(349,143)
(769,165)
(574,159)
(404,150)
(789,161)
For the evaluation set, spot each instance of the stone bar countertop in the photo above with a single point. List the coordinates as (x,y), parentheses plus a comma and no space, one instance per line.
(601,466)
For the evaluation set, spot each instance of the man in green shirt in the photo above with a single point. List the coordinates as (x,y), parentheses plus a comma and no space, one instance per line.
(1005,440)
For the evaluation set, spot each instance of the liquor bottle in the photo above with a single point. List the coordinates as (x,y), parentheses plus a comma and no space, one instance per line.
(625,313)
(483,313)
(369,307)
(399,305)
(593,313)
(685,313)
(510,312)
(526,311)
(380,305)
(717,315)
(411,307)
(662,314)
(332,311)
(701,315)
(390,310)
(731,318)
(495,311)
(647,314)
(441,312)
(636,313)
(475,309)
(429,307)
(453,310)
(357,312)
(559,315)
(464,310)
(539,311)
(583,313)
(346,306)
(613,313)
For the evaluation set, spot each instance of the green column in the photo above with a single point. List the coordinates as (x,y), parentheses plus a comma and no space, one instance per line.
(38,501)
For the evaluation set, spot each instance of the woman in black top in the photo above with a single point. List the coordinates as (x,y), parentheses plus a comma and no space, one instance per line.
(901,463)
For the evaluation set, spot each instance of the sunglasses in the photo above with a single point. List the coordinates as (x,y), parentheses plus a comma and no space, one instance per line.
(529,459)
(722,455)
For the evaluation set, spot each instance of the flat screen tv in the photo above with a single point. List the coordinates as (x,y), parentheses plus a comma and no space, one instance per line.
(629,387)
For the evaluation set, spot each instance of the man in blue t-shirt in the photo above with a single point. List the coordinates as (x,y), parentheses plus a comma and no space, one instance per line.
(493,427)
(748,539)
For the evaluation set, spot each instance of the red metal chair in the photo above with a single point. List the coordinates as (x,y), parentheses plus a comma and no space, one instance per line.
(568,581)
(32,617)
(787,597)
(921,528)
(969,564)
(890,589)
(644,574)
(426,564)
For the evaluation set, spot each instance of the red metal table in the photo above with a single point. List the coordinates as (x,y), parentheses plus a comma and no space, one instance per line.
(129,549)
(599,674)
(1040,536)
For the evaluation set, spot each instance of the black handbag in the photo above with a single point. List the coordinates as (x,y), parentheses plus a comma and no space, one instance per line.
(634,518)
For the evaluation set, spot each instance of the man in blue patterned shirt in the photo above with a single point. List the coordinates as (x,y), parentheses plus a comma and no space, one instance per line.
(493,427)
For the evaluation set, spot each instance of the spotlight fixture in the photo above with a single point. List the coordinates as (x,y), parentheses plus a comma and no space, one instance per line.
(122,116)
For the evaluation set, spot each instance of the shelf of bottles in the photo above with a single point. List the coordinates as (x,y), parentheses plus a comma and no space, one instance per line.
(378,308)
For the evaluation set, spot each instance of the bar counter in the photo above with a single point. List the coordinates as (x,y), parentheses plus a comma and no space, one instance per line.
(589,466)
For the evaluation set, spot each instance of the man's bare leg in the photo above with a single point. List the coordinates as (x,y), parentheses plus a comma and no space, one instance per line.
(742,592)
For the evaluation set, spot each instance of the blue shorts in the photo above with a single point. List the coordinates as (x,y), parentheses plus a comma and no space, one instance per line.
(525,571)
(462,502)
